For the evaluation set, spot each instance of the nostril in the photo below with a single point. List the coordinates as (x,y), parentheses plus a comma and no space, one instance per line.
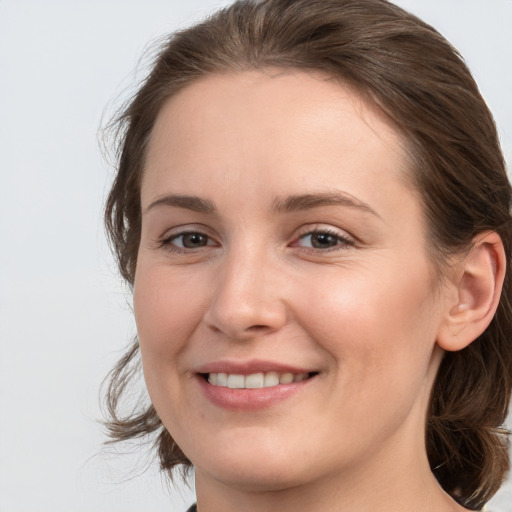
(257,327)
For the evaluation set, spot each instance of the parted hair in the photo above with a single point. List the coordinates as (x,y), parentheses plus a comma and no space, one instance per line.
(421,83)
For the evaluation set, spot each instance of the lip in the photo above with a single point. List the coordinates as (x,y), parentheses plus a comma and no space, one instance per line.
(248,367)
(250,399)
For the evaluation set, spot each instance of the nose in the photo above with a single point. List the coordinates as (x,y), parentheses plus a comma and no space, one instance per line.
(247,300)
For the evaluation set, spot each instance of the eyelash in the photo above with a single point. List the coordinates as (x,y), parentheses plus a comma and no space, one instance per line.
(342,242)
(167,243)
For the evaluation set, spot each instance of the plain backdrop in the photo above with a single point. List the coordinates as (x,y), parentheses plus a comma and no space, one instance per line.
(64,313)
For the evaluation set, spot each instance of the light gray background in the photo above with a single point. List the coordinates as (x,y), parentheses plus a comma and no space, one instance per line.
(64,316)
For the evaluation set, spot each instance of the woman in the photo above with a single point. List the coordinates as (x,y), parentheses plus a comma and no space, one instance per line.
(312,208)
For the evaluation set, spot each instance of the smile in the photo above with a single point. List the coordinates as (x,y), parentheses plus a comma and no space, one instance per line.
(252,385)
(255,380)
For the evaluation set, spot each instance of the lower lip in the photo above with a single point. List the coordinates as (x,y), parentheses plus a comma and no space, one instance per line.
(250,399)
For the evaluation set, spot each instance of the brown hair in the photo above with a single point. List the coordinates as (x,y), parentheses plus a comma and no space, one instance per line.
(419,80)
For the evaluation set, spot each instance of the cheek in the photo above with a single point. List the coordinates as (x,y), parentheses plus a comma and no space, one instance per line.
(168,307)
(374,321)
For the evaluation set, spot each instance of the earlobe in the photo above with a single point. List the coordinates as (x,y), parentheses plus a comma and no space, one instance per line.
(479,281)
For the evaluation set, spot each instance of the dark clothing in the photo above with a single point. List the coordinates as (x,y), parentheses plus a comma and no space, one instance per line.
(193,508)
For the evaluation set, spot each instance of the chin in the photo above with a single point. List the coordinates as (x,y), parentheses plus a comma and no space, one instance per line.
(255,469)
(261,478)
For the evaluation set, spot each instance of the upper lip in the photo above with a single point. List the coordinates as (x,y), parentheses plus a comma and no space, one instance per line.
(250,367)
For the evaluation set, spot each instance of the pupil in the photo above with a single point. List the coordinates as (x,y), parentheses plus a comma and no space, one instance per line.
(192,240)
(322,240)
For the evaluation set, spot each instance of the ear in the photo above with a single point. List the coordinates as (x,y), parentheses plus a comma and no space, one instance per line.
(478,280)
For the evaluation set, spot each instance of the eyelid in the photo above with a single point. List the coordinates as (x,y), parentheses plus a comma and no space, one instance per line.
(165,241)
(324,228)
(184,229)
(346,239)
(342,235)
(185,233)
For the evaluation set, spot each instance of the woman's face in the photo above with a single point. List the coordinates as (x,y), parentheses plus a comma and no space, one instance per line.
(283,258)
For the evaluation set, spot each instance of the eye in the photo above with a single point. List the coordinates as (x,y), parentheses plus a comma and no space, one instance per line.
(323,239)
(189,240)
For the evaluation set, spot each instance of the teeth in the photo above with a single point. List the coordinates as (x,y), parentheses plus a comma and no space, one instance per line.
(222,379)
(236,381)
(271,379)
(286,378)
(254,380)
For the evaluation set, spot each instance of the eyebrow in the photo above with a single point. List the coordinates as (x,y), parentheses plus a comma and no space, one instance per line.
(193,203)
(280,205)
(308,201)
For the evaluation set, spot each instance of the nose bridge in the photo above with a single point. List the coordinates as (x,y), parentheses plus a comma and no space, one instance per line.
(246,299)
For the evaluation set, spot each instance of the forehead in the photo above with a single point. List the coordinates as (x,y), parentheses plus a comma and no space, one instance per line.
(287,129)
(281,97)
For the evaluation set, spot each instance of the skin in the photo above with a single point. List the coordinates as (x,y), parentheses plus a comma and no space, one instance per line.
(363,313)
